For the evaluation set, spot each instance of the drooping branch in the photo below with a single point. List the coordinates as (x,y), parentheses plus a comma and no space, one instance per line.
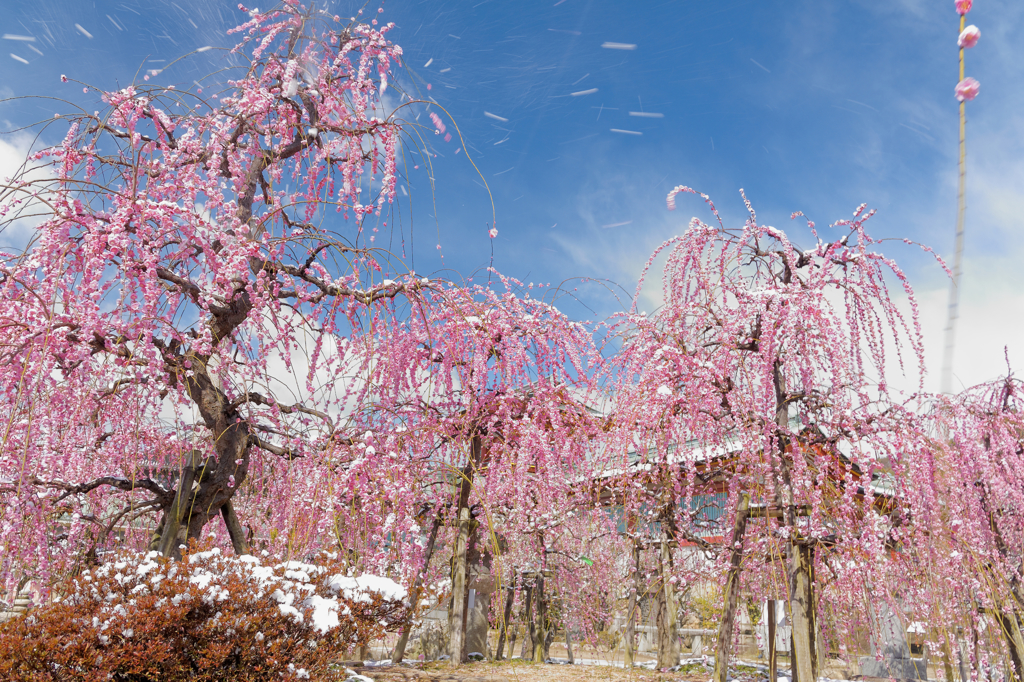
(125,484)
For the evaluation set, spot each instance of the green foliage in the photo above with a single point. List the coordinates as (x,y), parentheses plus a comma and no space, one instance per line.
(754,611)
(706,602)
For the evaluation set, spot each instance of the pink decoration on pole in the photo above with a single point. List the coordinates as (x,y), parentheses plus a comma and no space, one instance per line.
(969,37)
(967,89)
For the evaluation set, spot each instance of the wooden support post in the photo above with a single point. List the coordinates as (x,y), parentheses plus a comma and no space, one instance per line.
(417,590)
(732,591)
(235,530)
(801,575)
(634,596)
(668,640)
(457,614)
(773,665)
(503,627)
(540,641)
(792,648)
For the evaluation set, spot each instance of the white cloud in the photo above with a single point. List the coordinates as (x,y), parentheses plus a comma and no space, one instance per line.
(17,227)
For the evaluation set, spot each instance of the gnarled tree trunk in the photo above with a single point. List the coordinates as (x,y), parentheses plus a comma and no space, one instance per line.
(540,631)
(505,624)
(732,591)
(414,596)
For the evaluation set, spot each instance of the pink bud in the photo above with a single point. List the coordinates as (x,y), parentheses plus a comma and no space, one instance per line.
(969,37)
(963,6)
(967,89)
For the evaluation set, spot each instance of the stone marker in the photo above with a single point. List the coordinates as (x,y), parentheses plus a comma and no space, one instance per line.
(888,637)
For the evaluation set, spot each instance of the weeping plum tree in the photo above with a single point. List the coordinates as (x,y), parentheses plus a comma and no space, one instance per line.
(490,389)
(757,373)
(971,526)
(185,260)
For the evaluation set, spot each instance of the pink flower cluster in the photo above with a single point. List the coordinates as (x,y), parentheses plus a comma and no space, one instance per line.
(967,89)
(969,37)
(439,124)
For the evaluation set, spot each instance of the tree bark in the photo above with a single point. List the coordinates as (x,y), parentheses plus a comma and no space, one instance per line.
(630,634)
(773,664)
(414,596)
(235,530)
(512,642)
(168,545)
(541,618)
(732,591)
(158,532)
(1010,627)
(503,627)
(801,600)
(568,645)
(528,626)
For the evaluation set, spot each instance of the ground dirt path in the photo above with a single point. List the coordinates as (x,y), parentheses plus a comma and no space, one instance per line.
(517,671)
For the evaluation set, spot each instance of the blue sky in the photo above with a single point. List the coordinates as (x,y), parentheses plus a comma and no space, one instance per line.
(814,106)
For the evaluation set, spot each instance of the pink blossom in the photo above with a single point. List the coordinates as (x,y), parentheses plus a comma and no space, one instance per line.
(967,89)
(963,6)
(969,37)
(493,232)
(438,123)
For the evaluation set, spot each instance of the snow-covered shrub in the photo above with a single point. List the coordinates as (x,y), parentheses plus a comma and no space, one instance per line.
(207,617)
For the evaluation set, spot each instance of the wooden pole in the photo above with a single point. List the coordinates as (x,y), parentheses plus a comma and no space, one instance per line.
(630,635)
(417,590)
(732,591)
(668,640)
(456,617)
(457,613)
(805,664)
(773,666)
(529,631)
